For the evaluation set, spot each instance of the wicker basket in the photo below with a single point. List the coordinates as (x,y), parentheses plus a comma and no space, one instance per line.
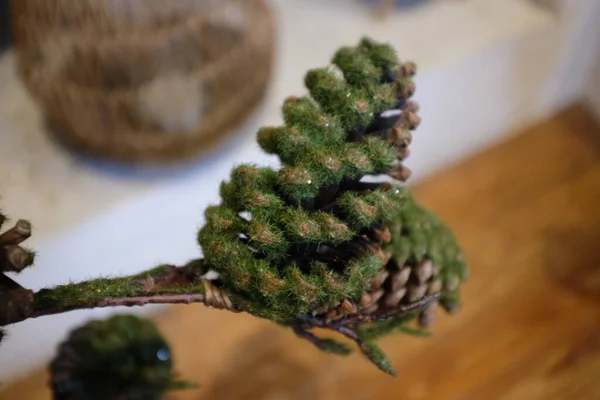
(144,80)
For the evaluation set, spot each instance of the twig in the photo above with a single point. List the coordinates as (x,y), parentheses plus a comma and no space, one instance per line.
(304,334)
(162,285)
(347,327)
(321,322)
(122,302)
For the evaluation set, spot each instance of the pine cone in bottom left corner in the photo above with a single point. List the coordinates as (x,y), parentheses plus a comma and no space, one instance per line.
(121,358)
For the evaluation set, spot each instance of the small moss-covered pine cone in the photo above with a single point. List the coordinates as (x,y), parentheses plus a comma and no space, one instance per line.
(123,357)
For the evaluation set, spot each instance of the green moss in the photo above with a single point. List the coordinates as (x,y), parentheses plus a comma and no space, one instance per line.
(357,162)
(381,154)
(350,104)
(302,111)
(316,227)
(267,138)
(286,142)
(297,183)
(221,219)
(359,273)
(418,234)
(268,238)
(252,177)
(229,196)
(86,292)
(356,66)
(382,55)
(364,209)
(303,288)
(331,283)
(359,212)
(92,291)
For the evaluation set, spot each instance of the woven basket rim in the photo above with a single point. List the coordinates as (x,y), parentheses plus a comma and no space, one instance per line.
(71,89)
(123,36)
(23,22)
(204,72)
(249,57)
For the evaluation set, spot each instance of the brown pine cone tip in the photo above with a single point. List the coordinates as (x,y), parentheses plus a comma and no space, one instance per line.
(14,258)
(14,299)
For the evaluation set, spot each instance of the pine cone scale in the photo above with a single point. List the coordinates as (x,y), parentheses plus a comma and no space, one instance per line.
(400,278)
(393,299)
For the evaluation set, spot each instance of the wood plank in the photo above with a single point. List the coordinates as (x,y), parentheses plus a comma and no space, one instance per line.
(521,318)
(509,175)
(528,216)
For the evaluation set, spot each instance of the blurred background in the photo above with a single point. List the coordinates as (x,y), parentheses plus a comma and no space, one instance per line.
(120,118)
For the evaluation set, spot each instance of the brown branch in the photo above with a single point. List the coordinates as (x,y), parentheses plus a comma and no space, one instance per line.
(15,301)
(162,285)
(304,334)
(351,320)
(122,302)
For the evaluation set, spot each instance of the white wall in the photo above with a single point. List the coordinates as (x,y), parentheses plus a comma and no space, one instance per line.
(592,91)
(577,36)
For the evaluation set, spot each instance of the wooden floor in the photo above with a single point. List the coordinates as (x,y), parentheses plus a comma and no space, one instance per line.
(528,216)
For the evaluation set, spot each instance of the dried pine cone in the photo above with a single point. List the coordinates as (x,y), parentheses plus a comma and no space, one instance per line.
(14,258)
(14,300)
(123,357)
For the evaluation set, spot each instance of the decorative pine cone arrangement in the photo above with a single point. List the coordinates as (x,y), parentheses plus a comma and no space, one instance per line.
(324,241)
(13,259)
(123,357)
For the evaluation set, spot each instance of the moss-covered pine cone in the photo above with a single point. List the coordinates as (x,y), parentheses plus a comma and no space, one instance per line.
(325,237)
(122,358)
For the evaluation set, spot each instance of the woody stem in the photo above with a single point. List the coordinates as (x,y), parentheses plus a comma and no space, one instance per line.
(162,285)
